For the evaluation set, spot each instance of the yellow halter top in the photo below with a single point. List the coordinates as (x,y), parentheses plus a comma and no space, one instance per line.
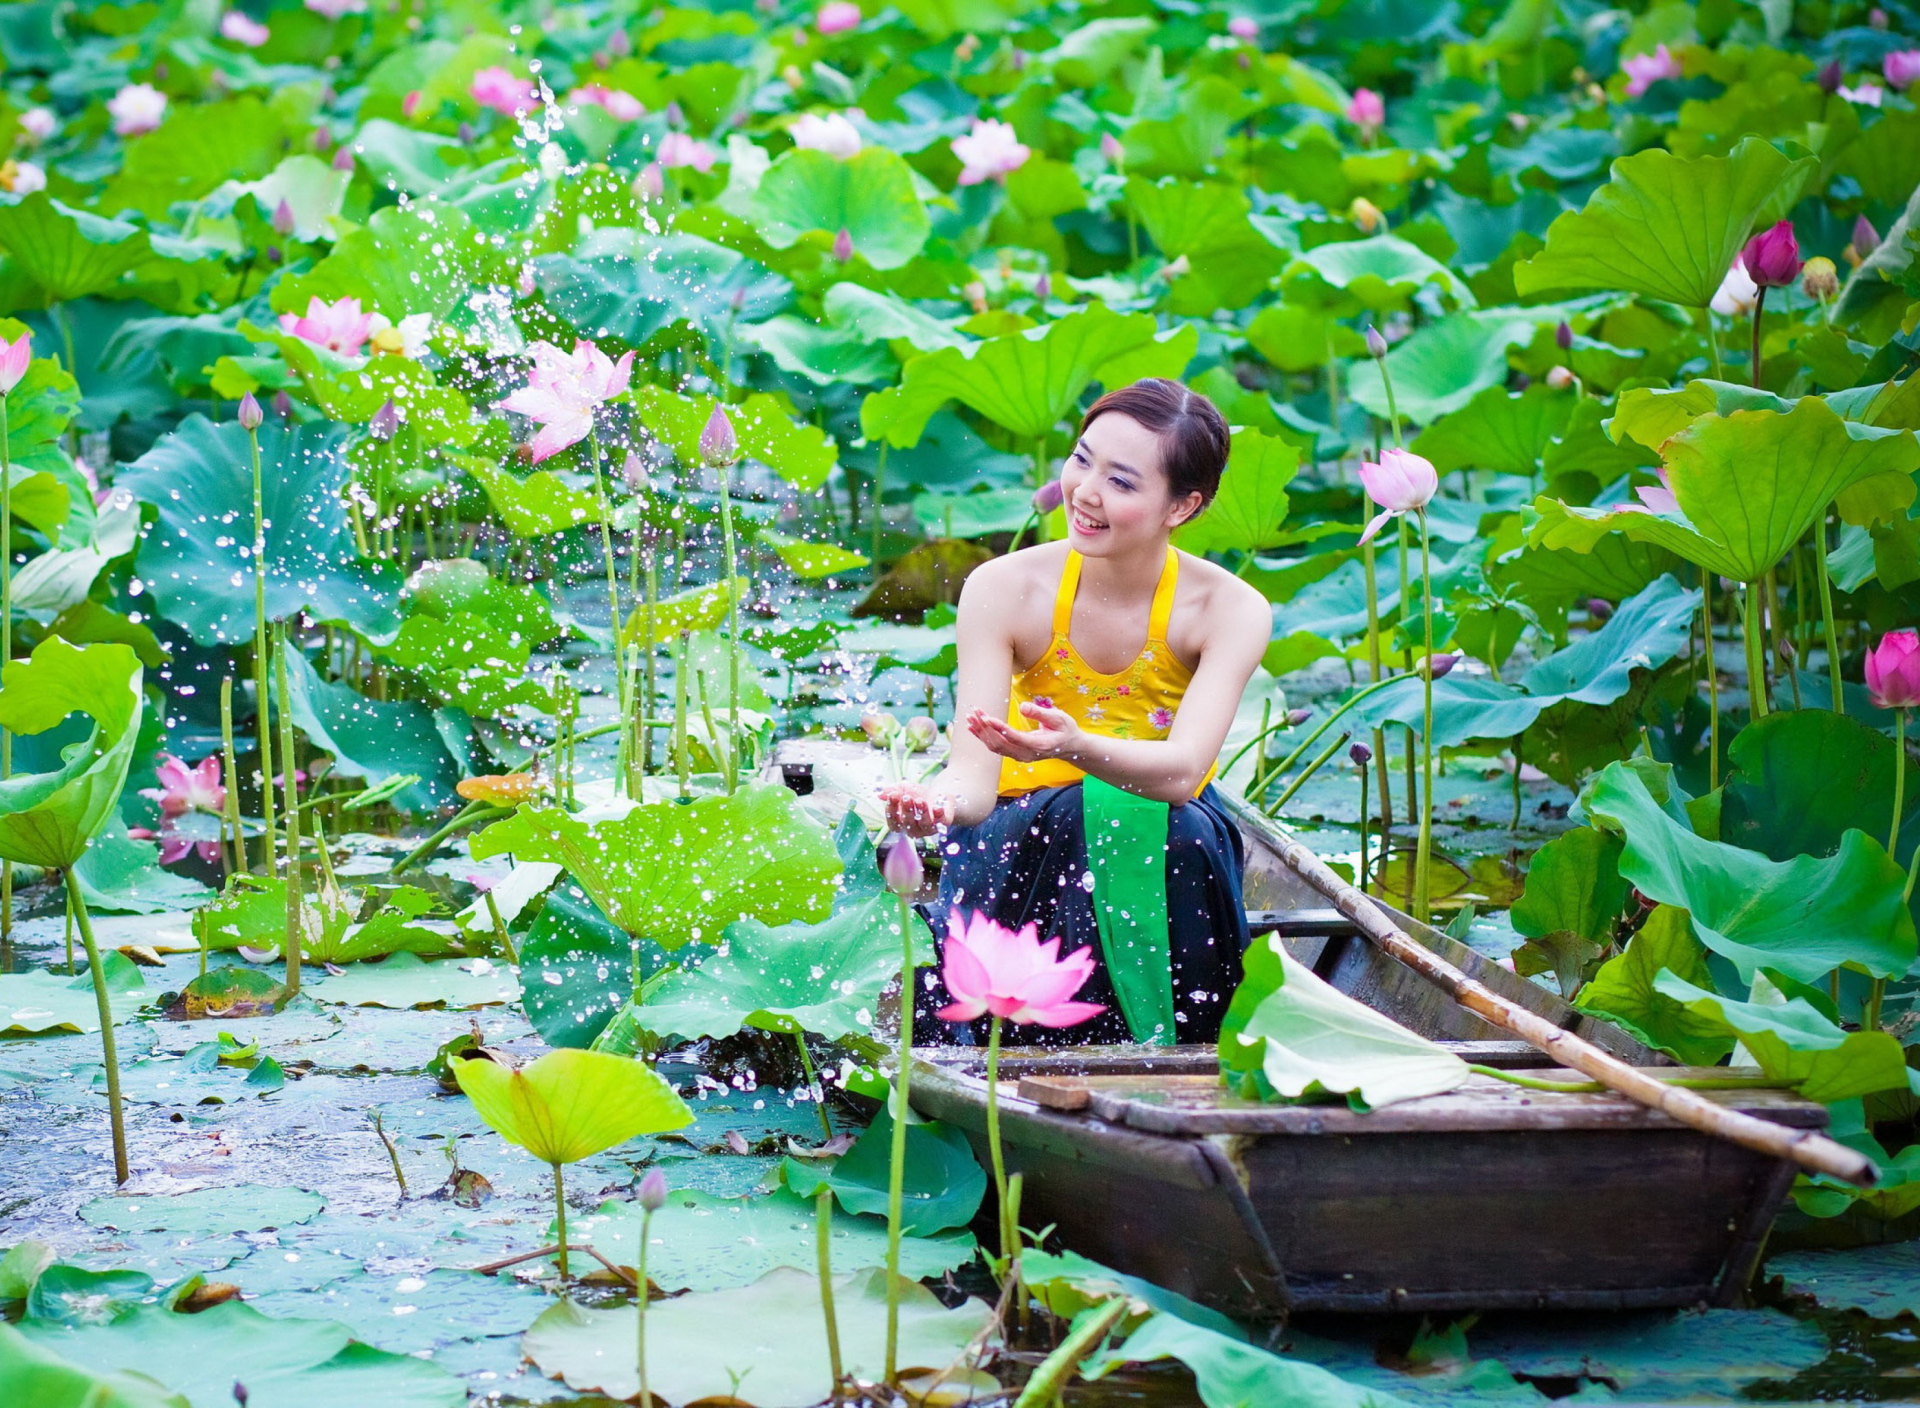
(1138,702)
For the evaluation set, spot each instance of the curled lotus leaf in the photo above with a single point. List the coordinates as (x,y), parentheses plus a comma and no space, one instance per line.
(48,818)
(571,1104)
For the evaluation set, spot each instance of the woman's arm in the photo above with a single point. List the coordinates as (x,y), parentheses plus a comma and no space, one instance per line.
(964,791)
(1169,769)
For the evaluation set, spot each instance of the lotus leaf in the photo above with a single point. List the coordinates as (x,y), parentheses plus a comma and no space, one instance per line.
(1498,430)
(407,980)
(32,1004)
(618,285)
(1803,916)
(421,257)
(379,740)
(799,454)
(674,873)
(1802,778)
(1573,897)
(577,968)
(1206,223)
(40,1378)
(943,1185)
(808,560)
(773,1348)
(1229,1371)
(869,195)
(1382,273)
(49,818)
(200,478)
(1248,512)
(1305,1038)
(822,354)
(1624,990)
(1444,365)
(535,506)
(1667,226)
(61,254)
(570,1104)
(881,317)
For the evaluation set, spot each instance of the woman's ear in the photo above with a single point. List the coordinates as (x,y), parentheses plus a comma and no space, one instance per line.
(1185,509)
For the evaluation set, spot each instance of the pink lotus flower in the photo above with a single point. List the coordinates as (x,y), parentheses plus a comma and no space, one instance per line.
(990,969)
(1049,496)
(23,178)
(183,789)
(174,846)
(334,9)
(1659,498)
(1244,27)
(622,107)
(1772,257)
(651,183)
(1901,69)
(1400,483)
(678,149)
(339,327)
(38,123)
(242,28)
(1737,292)
(496,88)
(1645,70)
(838,16)
(1367,111)
(831,134)
(1867,95)
(565,390)
(989,152)
(15,357)
(137,108)
(1893,670)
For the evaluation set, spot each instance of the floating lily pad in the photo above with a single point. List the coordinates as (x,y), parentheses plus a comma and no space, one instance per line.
(206,1212)
(1883,1282)
(406,980)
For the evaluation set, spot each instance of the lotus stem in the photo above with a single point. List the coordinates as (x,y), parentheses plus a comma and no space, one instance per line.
(291,793)
(681,761)
(1374,671)
(109,1052)
(896,1173)
(6,641)
(1713,683)
(814,1087)
(1753,362)
(879,498)
(1313,737)
(733,634)
(469,814)
(639,1292)
(393,1154)
(1361,869)
(260,650)
(1009,1248)
(1404,549)
(1423,857)
(231,811)
(823,1255)
(1043,1390)
(1757,700)
(499,927)
(1286,795)
(613,598)
(652,648)
(560,1218)
(1515,825)
(1826,614)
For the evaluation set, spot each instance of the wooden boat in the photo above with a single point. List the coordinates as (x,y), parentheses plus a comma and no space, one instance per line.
(1490,1196)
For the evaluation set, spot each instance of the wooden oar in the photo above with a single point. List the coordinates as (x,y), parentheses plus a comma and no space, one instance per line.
(1808,1148)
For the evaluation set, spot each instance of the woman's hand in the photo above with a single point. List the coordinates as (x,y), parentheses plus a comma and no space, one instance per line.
(916,809)
(1054,734)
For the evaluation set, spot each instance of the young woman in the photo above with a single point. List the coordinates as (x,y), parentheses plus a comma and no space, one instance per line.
(1098,678)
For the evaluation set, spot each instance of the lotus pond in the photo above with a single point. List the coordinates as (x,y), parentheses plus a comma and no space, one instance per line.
(454,459)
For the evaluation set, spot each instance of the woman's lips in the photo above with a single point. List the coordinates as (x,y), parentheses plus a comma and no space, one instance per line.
(1085,524)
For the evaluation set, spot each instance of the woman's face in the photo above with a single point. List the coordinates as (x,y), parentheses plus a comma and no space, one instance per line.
(1115,491)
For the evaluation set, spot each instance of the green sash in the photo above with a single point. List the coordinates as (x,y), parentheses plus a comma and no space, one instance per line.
(1127,854)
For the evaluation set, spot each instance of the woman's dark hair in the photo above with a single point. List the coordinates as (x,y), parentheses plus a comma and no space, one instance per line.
(1193,434)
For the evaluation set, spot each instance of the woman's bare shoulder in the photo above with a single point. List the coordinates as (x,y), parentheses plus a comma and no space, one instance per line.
(1221,601)
(1007,582)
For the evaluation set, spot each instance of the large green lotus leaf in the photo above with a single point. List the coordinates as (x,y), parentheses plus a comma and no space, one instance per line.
(1382,272)
(469,662)
(373,738)
(1296,338)
(570,1104)
(200,478)
(423,257)
(38,411)
(1027,381)
(766,1340)
(56,254)
(1445,364)
(1574,894)
(881,317)
(943,1185)
(1667,226)
(803,455)
(1651,415)
(195,149)
(576,968)
(407,980)
(33,1004)
(1230,1373)
(252,911)
(1207,223)
(821,354)
(1795,1043)
(974,515)
(1615,569)
(37,1377)
(283,1363)
(1250,510)
(50,818)
(704,1243)
(533,506)
(870,195)
(1308,1039)
(1802,917)
(1498,430)
(627,286)
(823,978)
(1623,990)
(677,873)
(1802,778)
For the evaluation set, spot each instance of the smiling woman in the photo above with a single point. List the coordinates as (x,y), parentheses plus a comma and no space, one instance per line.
(1098,678)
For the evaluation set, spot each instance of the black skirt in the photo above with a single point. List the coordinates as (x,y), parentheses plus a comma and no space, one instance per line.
(1026,863)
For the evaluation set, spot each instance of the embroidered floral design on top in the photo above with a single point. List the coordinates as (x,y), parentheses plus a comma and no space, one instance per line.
(1161,719)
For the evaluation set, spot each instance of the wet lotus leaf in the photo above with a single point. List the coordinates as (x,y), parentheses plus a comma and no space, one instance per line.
(576,968)
(571,1104)
(773,1346)
(809,560)
(536,505)
(943,1187)
(420,257)
(408,1312)
(205,1212)
(21,1267)
(231,991)
(252,913)
(41,1377)
(603,291)
(379,740)
(198,1078)
(81,1297)
(703,1243)
(1883,1282)
(48,818)
(407,980)
(34,1003)
(800,454)
(283,1363)
(1657,1356)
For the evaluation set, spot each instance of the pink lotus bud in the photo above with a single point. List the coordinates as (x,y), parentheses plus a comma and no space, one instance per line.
(651,183)
(1559,378)
(1599,609)
(283,217)
(386,421)
(1048,496)
(322,138)
(921,732)
(719,446)
(250,414)
(1877,18)
(1244,27)
(1296,717)
(1361,754)
(835,18)
(1772,257)
(1866,239)
(1179,268)
(1829,77)
(343,160)
(653,1190)
(1111,150)
(282,405)
(410,104)
(1400,483)
(675,117)
(900,866)
(843,245)
(1787,652)
(38,123)
(1563,336)
(618,44)
(1893,670)
(879,727)
(1438,666)
(15,358)
(1901,69)
(1043,288)
(465,134)
(1376,344)
(1367,110)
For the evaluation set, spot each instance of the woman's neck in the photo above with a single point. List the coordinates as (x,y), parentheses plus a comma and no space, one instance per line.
(1125,575)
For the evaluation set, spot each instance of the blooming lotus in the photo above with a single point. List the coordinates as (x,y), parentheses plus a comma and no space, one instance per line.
(1659,498)
(1868,95)
(678,149)
(1400,483)
(22,178)
(334,9)
(1244,27)
(992,970)
(989,152)
(622,107)
(1772,257)
(1645,70)
(136,108)
(242,28)
(183,789)
(494,87)
(836,17)
(38,123)
(406,338)
(831,134)
(15,357)
(339,326)
(1893,670)
(1901,69)
(1367,111)
(565,390)
(1737,293)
